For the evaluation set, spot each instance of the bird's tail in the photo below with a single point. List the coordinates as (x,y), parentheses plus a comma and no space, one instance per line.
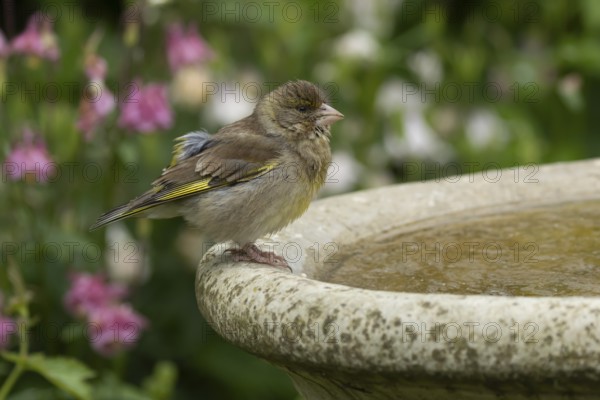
(116,214)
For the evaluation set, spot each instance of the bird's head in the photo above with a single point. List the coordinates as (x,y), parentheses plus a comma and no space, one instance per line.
(300,108)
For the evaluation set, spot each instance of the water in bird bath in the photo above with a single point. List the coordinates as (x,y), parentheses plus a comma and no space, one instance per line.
(550,250)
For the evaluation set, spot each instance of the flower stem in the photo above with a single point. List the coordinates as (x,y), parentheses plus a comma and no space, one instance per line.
(11,380)
(23,312)
(20,365)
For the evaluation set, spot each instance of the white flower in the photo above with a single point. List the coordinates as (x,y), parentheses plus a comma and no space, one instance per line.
(427,66)
(404,104)
(374,15)
(484,129)
(358,44)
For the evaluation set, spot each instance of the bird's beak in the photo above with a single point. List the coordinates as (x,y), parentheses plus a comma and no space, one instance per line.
(328,115)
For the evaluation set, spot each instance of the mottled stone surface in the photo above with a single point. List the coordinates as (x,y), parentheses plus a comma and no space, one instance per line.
(339,342)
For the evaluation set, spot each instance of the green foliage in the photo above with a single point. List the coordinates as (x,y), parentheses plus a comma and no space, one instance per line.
(110,387)
(161,383)
(67,374)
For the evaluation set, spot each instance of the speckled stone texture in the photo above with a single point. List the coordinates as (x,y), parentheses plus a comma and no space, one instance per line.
(338,342)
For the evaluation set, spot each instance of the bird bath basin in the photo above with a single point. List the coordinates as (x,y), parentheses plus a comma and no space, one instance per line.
(466,288)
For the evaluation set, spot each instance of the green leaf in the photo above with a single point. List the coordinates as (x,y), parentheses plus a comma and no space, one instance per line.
(37,393)
(9,356)
(590,14)
(65,373)
(110,388)
(160,385)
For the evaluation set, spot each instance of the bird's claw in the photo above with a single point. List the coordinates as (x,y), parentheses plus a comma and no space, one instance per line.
(252,253)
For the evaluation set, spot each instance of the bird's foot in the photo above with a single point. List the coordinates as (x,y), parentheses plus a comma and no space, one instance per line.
(250,252)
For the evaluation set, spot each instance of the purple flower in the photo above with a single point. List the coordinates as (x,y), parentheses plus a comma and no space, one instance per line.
(89,292)
(146,109)
(38,39)
(4,47)
(118,327)
(95,105)
(29,157)
(184,48)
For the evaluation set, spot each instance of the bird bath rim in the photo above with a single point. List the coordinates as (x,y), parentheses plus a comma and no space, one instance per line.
(323,332)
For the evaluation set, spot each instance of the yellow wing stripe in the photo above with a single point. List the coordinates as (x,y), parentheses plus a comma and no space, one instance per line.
(258,172)
(135,211)
(203,185)
(186,189)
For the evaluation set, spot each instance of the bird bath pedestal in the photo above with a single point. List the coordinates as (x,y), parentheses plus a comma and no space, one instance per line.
(444,325)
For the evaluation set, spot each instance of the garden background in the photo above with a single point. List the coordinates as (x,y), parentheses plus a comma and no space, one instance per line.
(93,94)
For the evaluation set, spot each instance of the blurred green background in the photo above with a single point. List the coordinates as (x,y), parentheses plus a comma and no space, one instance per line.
(428,88)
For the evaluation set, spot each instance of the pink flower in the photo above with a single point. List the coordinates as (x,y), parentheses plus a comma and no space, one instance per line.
(95,105)
(146,109)
(29,158)
(95,67)
(8,327)
(118,327)
(184,48)
(4,47)
(97,101)
(37,39)
(89,292)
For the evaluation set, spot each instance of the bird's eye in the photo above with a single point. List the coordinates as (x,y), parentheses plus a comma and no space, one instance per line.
(302,108)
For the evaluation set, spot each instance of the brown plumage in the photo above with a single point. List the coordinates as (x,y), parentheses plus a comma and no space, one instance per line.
(251,178)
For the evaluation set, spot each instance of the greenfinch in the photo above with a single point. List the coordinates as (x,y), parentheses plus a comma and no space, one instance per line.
(252,178)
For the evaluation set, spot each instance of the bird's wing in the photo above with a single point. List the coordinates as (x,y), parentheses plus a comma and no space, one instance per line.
(202,163)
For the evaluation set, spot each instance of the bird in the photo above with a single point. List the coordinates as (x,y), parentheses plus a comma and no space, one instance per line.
(251,178)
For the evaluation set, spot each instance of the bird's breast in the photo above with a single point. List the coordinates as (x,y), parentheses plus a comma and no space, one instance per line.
(312,159)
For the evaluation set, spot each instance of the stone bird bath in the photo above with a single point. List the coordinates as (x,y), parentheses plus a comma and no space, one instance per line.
(523,325)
